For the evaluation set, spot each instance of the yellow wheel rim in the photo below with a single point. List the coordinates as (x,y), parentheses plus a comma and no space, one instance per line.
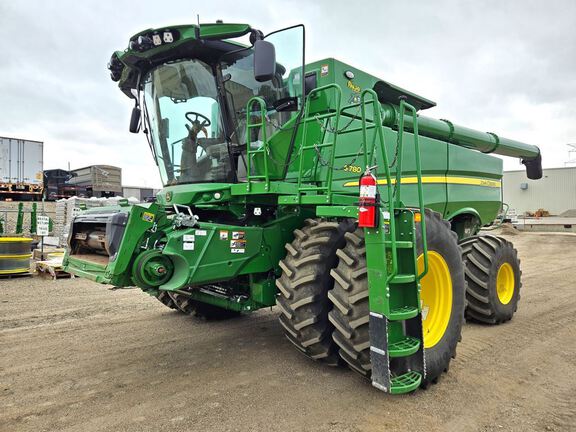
(505,283)
(436,298)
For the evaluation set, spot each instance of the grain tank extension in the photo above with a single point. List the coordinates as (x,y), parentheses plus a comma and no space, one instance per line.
(264,161)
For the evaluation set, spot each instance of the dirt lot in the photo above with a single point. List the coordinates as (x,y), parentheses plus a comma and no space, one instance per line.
(75,356)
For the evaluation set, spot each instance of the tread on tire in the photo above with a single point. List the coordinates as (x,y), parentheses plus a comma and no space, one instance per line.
(350,314)
(483,256)
(304,284)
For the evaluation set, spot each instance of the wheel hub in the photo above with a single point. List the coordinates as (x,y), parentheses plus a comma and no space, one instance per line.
(505,283)
(436,298)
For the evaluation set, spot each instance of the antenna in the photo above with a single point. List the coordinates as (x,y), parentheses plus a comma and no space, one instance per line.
(197,29)
(571,155)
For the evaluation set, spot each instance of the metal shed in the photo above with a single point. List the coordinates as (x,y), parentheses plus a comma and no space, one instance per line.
(555,191)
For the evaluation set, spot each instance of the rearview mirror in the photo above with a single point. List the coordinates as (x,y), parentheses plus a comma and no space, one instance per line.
(135,120)
(264,61)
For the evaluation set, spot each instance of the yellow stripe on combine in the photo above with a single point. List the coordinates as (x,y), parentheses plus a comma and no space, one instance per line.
(441,180)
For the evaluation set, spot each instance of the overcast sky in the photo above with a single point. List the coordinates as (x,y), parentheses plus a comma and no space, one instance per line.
(502,66)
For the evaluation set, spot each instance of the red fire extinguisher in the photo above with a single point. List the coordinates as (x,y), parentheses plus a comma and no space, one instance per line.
(367,206)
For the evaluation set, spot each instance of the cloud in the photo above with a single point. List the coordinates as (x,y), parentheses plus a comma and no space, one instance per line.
(506,67)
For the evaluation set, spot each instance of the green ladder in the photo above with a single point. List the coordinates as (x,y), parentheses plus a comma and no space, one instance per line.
(264,149)
(395,322)
(309,145)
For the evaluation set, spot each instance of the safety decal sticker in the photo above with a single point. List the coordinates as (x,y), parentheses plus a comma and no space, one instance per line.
(223,235)
(386,227)
(238,235)
(324,70)
(188,238)
(238,246)
(354,98)
(187,246)
(148,217)
(201,232)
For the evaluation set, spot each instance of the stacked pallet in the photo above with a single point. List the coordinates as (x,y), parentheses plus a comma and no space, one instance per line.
(68,208)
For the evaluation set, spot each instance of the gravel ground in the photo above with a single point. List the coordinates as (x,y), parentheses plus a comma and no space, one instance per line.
(76,356)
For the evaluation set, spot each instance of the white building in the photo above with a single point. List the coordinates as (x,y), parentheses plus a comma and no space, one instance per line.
(555,191)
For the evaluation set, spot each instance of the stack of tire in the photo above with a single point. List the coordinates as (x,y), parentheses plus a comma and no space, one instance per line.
(15,255)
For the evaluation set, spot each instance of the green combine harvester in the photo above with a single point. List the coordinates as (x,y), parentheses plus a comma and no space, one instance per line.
(315,187)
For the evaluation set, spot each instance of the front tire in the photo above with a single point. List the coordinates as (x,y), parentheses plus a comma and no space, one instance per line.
(188,306)
(351,308)
(304,285)
(164,298)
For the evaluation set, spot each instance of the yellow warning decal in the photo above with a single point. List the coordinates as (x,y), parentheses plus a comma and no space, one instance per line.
(148,217)
(441,180)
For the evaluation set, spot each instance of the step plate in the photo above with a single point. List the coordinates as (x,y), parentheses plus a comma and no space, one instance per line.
(414,329)
(378,327)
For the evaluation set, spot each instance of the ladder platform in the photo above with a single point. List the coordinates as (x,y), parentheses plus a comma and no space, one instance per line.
(400,244)
(403,278)
(404,348)
(403,313)
(405,383)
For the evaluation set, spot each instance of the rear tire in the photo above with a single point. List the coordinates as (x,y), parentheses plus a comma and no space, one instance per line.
(304,285)
(494,279)
(350,314)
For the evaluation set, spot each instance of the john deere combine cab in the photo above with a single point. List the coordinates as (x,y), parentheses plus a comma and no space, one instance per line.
(315,187)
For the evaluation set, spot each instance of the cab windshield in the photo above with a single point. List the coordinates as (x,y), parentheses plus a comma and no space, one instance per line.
(185,123)
(197,133)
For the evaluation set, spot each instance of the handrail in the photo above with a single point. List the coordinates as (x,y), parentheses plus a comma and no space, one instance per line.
(380,133)
(306,120)
(403,107)
(264,149)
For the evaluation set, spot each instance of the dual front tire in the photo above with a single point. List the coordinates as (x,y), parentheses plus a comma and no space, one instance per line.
(343,319)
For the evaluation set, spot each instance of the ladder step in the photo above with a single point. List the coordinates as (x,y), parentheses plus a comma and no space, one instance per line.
(403,313)
(406,383)
(313,188)
(404,348)
(321,145)
(317,146)
(403,278)
(400,244)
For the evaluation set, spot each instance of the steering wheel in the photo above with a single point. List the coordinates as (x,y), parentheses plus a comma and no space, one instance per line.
(205,121)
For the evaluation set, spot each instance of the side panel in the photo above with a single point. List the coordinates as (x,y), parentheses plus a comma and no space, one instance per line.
(4,160)
(483,191)
(32,162)
(349,166)
(21,161)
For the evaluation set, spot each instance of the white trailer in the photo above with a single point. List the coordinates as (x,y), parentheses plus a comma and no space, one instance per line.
(21,168)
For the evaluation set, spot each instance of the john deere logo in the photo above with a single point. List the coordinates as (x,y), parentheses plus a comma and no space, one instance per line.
(355,88)
(168,196)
